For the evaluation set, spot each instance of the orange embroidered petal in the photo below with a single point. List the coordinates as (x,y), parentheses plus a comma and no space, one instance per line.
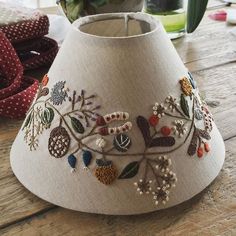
(45,80)
(186,86)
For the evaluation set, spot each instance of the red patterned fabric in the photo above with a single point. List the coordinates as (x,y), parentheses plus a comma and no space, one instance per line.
(41,52)
(16,91)
(25,30)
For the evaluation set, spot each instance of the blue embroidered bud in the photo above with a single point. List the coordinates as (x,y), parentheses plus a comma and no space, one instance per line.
(87,157)
(72,162)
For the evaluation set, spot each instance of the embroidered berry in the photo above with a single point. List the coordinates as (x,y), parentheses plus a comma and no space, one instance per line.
(207,147)
(165,130)
(45,80)
(153,120)
(100,121)
(106,174)
(59,142)
(200,152)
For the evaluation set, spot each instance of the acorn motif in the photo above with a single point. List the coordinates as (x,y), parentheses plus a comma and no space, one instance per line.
(105,172)
(59,142)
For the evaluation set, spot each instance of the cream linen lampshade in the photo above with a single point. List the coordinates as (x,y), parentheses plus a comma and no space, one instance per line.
(118,126)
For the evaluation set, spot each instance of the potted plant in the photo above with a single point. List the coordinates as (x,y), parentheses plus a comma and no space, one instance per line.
(76,8)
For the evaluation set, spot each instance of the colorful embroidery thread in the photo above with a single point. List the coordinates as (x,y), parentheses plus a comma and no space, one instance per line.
(83,121)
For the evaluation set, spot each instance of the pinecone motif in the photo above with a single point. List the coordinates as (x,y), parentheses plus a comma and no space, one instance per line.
(106,174)
(59,142)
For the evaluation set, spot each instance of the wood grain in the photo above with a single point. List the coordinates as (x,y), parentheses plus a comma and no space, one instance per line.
(210,53)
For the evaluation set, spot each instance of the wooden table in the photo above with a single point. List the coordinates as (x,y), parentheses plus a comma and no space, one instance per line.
(209,53)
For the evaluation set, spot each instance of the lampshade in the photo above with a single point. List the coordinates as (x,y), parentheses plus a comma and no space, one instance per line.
(118,126)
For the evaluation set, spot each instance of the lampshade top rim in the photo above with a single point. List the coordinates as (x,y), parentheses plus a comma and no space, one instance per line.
(139,16)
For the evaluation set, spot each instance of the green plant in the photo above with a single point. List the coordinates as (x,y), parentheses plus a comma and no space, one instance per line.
(195,12)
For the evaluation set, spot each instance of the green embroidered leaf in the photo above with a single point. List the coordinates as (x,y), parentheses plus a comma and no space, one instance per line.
(27,121)
(184,105)
(130,170)
(47,116)
(77,125)
(122,142)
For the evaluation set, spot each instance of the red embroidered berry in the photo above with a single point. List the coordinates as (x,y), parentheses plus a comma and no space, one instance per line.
(200,152)
(165,130)
(104,131)
(45,80)
(207,147)
(153,120)
(100,121)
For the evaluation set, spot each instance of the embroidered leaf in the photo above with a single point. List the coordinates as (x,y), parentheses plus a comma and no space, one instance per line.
(184,105)
(144,128)
(87,157)
(192,81)
(72,161)
(130,170)
(162,142)
(122,142)
(101,162)
(47,116)
(198,114)
(28,119)
(204,134)
(77,125)
(193,144)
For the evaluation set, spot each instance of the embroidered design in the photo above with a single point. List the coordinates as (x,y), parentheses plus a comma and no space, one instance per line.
(186,86)
(112,139)
(58,93)
(59,142)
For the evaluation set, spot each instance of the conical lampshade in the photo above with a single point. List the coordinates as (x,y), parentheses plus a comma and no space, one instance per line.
(118,125)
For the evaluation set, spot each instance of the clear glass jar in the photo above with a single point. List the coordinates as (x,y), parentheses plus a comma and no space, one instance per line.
(171,13)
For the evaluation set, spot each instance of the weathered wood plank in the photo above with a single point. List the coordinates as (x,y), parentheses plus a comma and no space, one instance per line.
(15,201)
(212,212)
(211,44)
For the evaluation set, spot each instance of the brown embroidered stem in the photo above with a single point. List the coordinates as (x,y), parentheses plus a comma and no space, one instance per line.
(154,173)
(83,145)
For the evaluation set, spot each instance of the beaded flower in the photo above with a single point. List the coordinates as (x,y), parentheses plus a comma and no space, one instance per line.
(159,110)
(172,103)
(179,128)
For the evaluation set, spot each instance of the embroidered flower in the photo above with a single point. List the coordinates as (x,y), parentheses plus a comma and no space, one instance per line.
(163,163)
(161,195)
(186,86)
(101,142)
(179,128)
(159,110)
(170,179)
(172,103)
(58,93)
(143,186)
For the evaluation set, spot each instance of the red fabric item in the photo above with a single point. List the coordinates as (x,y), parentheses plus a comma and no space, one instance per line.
(16,91)
(26,30)
(41,52)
